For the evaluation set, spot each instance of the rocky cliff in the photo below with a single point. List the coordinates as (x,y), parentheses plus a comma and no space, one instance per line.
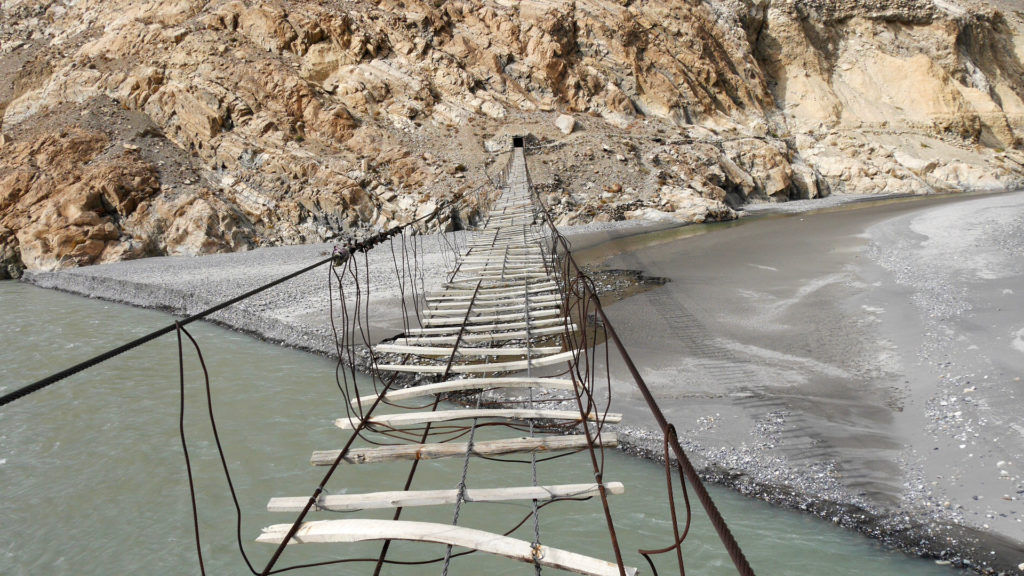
(134,128)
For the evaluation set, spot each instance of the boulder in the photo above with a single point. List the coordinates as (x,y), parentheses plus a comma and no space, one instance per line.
(805,181)
(916,165)
(565,123)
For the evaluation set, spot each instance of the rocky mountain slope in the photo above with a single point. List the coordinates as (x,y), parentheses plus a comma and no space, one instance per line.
(133,127)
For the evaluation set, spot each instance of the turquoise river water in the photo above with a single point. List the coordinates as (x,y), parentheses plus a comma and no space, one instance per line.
(93,480)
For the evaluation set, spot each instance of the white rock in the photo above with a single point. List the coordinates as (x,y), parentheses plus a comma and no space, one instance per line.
(650,214)
(493,109)
(914,164)
(565,123)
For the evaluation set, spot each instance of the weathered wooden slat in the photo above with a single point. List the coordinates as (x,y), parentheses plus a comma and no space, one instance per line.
(409,498)
(464,351)
(512,244)
(360,530)
(463,304)
(491,292)
(480,257)
(496,276)
(500,259)
(490,318)
(494,280)
(467,384)
(511,237)
(463,301)
(488,337)
(506,245)
(411,418)
(451,449)
(499,265)
(513,366)
(459,294)
(507,275)
(491,309)
(511,221)
(485,327)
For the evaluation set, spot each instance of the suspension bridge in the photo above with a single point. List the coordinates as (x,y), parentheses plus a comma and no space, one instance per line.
(515,317)
(515,313)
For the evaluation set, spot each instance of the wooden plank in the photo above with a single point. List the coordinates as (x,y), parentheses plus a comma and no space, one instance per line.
(464,304)
(462,351)
(512,221)
(486,327)
(459,294)
(498,275)
(490,292)
(457,321)
(485,238)
(508,245)
(361,530)
(492,262)
(492,275)
(411,418)
(499,265)
(408,498)
(513,366)
(467,384)
(499,262)
(516,238)
(494,281)
(481,257)
(486,337)
(488,310)
(510,248)
(451,449)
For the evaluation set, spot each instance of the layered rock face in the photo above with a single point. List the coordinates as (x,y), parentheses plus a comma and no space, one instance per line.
(133,128)
(898,96)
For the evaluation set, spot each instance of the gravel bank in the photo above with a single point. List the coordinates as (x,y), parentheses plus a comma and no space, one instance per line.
(861,364)
(293,314)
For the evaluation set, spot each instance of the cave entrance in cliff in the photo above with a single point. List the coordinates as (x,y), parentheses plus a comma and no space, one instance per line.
(517,142)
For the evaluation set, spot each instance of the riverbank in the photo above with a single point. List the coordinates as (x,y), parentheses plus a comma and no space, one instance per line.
(859,363)
(756,347)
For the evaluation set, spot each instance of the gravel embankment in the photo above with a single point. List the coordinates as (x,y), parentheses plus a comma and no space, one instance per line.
(294,313)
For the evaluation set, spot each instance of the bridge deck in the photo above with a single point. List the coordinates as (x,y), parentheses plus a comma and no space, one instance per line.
(504,293)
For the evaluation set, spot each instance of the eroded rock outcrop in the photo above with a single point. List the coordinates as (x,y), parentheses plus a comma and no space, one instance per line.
(96,184)
(296,121)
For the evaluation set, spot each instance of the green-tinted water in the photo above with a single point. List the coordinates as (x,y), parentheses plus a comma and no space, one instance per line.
(92,476)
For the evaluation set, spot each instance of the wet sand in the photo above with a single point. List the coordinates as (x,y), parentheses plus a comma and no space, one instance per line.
(863,363)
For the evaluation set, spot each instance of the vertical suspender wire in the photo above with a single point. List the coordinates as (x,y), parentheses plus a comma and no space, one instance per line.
(717,521)
(533,455)
(426,429)
(220,448)
(461,495)
(400,279)
(184,449)
(518,158)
